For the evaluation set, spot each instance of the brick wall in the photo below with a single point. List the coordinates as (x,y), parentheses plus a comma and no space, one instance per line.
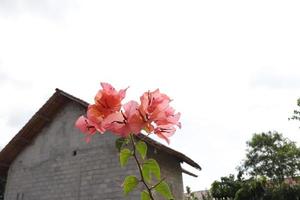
(60,165)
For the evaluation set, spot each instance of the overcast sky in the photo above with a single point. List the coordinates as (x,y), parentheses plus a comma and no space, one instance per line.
(232,67)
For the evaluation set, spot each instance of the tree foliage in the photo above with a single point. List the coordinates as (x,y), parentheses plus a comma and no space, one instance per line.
(271,167)
(283,191)
(252,189)
(296,114)
(226,188)
(271,155)
(255,189)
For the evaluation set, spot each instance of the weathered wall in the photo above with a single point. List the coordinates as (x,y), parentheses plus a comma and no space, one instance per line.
(60,165)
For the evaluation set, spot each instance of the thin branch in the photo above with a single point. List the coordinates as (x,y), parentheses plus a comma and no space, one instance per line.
(140,168)
(154,186)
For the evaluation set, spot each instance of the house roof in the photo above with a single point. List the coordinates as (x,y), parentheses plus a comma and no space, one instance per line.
(45,115)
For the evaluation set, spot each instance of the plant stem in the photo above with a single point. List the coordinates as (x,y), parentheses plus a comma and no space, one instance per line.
(154,186)
(140,168)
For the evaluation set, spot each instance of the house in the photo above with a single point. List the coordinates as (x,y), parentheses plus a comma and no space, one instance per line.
(49,159)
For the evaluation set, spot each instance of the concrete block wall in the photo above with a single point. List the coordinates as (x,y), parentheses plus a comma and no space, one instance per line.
(59,164)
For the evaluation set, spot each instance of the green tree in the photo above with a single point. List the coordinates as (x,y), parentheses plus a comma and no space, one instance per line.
(270,160)
(296,114)
(226,188)
(283,191)
(257,189)
(271,155)
(252,189)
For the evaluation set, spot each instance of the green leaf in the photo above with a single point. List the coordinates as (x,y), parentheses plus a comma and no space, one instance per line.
(124,156)
(142,148)
(145,195)
(150,167)
(164,190)
(119,143)
(129,184)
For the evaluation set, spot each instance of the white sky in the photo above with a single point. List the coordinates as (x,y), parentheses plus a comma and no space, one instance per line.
(232,67)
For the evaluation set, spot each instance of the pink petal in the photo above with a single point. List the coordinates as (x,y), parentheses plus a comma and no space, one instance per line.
(114,122)
(107,87)
(175,120)
(122,93)
(136,124)
(164,137)
(98,96)
(94,114)
(84,126)
(165,131)
(131,108)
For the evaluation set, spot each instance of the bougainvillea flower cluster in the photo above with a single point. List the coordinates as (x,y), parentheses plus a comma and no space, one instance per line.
(153,114)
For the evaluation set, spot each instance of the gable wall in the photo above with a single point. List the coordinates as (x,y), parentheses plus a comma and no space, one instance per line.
(48,169)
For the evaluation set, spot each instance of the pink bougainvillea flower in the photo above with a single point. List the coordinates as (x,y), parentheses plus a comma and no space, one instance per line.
(108,99)
(96,118)
(157,113)
(86,127)
(168,117)
(90,124)
(153,115)
(165,131)
(152,103)
(125,123)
